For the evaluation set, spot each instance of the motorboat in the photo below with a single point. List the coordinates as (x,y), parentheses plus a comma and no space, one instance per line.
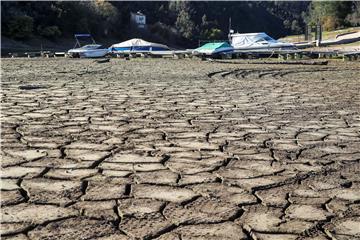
(89,51)
(92,50)
(257,42)
(137,45)
(215,48)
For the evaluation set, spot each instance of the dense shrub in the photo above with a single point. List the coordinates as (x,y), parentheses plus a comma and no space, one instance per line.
(212,34)
(20,27)
(49,32)
(188,20)
(295,27)
(354,17)
(331,14)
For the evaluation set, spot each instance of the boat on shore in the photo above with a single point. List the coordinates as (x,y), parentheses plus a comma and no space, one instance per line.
(92,50)
(137,45)
(89,51)
(257,42)
(215,48)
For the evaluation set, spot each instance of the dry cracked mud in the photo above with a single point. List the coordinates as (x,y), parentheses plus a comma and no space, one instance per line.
(179,149)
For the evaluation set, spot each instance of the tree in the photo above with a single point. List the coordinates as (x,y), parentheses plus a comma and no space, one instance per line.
(184,24)
(204,21)
(21,27)
(287,24)
(354,17)
(331,14)
(49,31)
(212,34)
(108,15)
(295,27)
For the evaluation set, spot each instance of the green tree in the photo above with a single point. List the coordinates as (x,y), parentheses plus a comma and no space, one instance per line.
(213,34)
(295,27)
(287,24)
(332,14)
(21,27)
(354,17)
(108,15)
(49,31)
(184,24)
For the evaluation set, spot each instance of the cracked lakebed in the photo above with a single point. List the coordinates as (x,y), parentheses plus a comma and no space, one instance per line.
(179,149)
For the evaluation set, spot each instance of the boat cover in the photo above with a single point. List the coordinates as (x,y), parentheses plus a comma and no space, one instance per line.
(213,48)
(255,40)
(139,45)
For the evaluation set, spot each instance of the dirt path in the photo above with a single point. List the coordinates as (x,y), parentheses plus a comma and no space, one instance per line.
(179,149)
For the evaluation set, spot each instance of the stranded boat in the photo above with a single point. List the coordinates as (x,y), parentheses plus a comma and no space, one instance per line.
(257,42)
(213,48)
(87,51)
(137,45)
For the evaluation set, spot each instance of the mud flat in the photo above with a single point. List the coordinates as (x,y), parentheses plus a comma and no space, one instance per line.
(179,149)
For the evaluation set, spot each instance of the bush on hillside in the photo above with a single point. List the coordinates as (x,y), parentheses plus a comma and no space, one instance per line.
(354,17)
(331,14)
(49,32)
(295,27)
(212,34)
(185,25)
(330,23)
(20,27)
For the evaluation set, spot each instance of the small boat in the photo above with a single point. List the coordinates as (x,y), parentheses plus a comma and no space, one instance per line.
(89,51)
(213,49)
(137,45)
(257,42)
(92,50)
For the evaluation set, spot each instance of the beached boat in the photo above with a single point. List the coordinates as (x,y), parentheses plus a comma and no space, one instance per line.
(257,42)
(89,51)
(92,50)
(137,45)
(213,49)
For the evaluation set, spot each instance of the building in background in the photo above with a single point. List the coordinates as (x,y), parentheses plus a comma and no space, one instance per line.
(138,19)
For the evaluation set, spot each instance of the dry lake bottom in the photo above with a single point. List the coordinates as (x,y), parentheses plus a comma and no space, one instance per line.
(179,149)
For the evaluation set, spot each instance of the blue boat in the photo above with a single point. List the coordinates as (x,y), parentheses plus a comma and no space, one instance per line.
(137,45)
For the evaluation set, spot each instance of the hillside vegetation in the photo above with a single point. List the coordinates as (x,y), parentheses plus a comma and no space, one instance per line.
(179,23)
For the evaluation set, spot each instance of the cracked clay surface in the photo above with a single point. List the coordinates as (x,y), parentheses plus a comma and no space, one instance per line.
(179,149)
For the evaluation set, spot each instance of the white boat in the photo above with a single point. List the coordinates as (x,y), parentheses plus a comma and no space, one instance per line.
(92,50)
(137,45)
(89,51)
(257,42)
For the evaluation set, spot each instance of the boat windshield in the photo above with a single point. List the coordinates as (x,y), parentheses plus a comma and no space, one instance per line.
(91,46)
(265,39)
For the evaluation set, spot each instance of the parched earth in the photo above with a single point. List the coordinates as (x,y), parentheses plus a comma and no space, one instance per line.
(179,149)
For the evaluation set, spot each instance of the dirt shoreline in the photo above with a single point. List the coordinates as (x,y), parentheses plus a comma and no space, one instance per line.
(179,149)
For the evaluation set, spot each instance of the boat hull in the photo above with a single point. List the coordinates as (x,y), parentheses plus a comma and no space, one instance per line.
(94,53)
(137,49)
(213,52)
(269,47)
